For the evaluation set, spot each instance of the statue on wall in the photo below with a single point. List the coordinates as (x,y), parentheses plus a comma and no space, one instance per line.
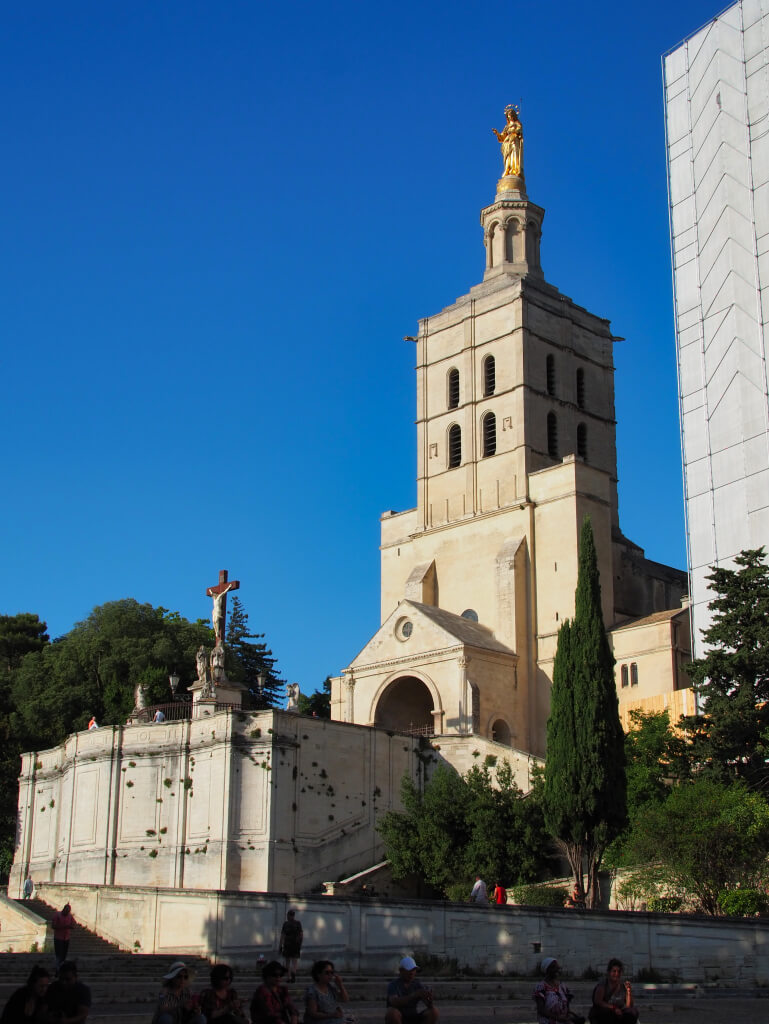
(292,690)
(140,697)
(201,659)
(511,139)
(217,665)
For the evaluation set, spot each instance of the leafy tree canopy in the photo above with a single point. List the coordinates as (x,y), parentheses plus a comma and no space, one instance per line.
(318,704)
(460,826)
(96,667)
(20,634)
(731,739)
(706,837)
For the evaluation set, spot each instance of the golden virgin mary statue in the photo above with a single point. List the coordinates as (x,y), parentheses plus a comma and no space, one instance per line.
(511,139)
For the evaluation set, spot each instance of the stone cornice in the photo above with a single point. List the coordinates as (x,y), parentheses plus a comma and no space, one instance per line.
(441,654)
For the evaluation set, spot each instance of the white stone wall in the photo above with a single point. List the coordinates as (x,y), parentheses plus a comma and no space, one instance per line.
(264,801)
(372,935)
(717,117)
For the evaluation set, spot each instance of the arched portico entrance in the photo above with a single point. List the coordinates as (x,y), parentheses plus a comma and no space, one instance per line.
(407,706)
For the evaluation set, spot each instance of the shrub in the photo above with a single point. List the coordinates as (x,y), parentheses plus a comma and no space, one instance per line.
(664,904)
(743,902)
(541,895)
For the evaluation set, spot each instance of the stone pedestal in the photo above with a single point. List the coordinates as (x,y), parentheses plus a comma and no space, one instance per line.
(511,183)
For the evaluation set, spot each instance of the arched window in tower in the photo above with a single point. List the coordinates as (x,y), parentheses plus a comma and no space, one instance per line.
(489,375)
(550,370)
(453,384)
(489,432)
(582,441)
(581,388)
(455,445)
(552,435)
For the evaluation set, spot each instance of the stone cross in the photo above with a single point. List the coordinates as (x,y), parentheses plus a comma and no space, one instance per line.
(219,594)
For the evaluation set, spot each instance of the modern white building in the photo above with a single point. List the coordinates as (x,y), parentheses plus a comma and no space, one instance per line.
(717,130)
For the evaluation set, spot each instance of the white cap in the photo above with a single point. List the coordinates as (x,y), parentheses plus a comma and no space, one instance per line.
(408,963)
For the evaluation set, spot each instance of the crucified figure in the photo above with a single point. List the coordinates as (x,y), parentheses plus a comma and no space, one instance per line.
(218,611)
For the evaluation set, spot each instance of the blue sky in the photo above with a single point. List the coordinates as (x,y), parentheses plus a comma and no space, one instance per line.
(220,220)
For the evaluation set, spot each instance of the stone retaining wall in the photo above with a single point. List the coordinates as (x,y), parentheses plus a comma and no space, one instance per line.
(371,935)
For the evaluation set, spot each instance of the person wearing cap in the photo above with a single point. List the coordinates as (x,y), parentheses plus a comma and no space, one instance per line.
(404,995)
(68,1000)
(272,1003)
(553,997)
(176,1004)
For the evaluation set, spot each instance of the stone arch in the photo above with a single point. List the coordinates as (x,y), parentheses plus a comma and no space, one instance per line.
(406,700)
(513,241)
(496,248)
(500,731)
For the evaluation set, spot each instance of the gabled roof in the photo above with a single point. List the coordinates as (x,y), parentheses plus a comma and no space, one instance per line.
(452,631)
(649,620)
(465,630)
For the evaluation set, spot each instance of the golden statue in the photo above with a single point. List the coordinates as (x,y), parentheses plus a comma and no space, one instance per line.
(511,138)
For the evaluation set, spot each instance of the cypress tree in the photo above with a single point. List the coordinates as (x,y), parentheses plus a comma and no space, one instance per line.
(585,787)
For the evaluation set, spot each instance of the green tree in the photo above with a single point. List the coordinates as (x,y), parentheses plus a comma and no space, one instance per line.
(19,635)
(585,785)
(248,658)
(318,704)
(706,837)
(95,669)
(731,738)
(462,825)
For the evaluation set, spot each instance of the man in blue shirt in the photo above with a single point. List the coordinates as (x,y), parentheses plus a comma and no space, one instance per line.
(404,995)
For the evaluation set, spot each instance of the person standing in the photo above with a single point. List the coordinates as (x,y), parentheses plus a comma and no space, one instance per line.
(29,887)
(500,894)
(479,893)
(63,923)
(291,936)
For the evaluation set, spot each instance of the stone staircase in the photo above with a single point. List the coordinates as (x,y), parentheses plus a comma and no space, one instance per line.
(84,942)
(124,988)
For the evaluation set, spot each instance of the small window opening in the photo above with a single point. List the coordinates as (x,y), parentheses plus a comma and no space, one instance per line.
(455,445)
(552,435)
(550,365)
(582,441)
(633,674)
(581,388)
(489,375)
(623,675)
(489,434)
(453,389)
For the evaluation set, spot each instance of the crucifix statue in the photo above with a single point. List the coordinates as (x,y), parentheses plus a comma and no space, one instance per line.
(219,611)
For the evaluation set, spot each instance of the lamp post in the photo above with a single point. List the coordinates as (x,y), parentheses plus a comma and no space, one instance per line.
(173,682)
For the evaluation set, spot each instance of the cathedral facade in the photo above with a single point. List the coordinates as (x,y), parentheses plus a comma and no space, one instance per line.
(516,444)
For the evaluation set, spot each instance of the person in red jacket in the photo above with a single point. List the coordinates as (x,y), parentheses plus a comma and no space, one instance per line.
(62,922)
